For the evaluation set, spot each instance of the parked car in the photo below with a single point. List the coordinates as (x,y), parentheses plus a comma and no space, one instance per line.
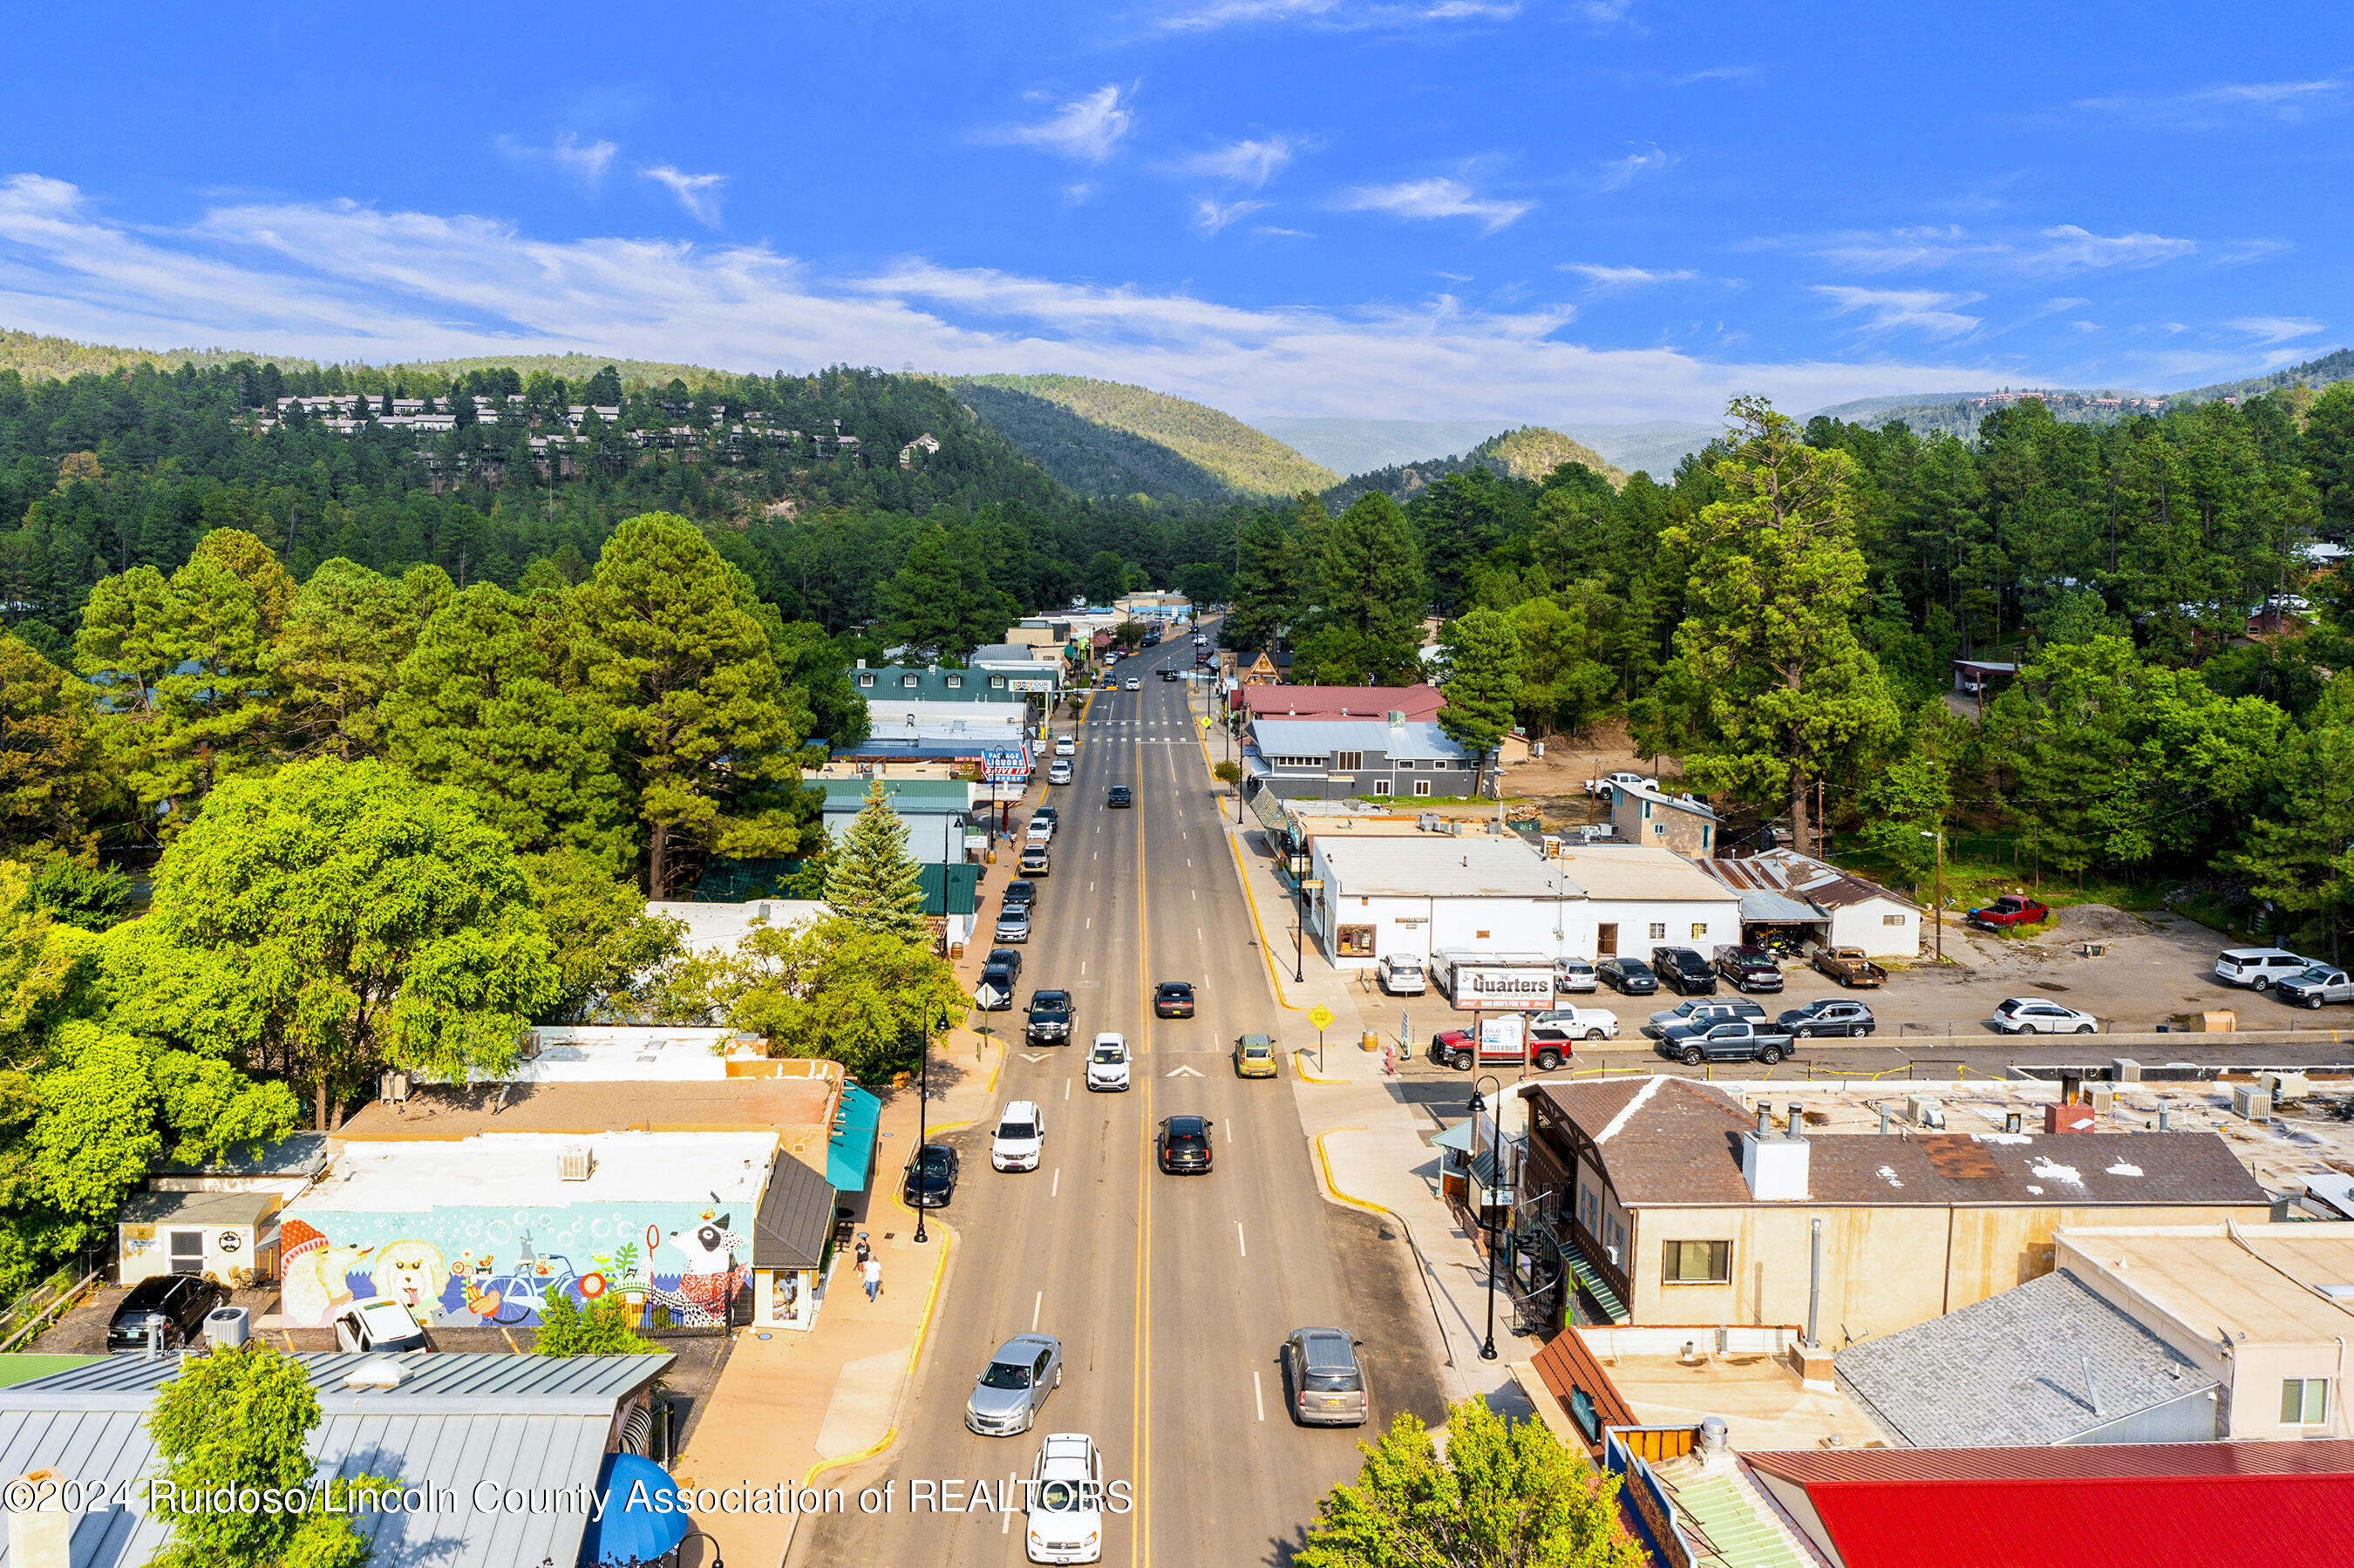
(378,1324)
(1571,976)
(1828,1015)
(1040,831)
(2010,909)
(1849,967)
(995,993)
(1171,674)
(1010,957)
(2038,1015)
(1684,972)
(1013,1388)
(1255,1056)
(1609,781)
(1183,1145)
(1013,923)
(1019,1136)
(1628,976)
(1749,968)
(1172,999)
(1049,1022)
(1059,770)
(1037,861)
(1727,1040)
(1326,1378)
(1402,974)
(1120,798)
(1019,895)
(2315,986)
(1546,1046)
(1107,1063)
(1067,746)
(931,1178)
(1065,1501)
(175,1304)
(1697,1012)
(2258,968)
(1581,1022)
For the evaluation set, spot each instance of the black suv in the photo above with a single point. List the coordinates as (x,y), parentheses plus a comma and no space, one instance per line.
(1010,957)
(1020,895)
(1119,798)
(998,980)
(1628,976)
(1684,972)
(1749,968)
(1184,1145)
(1050,1017)
(931,1177)
(175,1303)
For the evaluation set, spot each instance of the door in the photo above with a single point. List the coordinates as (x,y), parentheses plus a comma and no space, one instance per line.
(187,1252)
(1606,941)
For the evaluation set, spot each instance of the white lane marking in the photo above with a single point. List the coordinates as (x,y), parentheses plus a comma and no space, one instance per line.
(1258,1399)
(1083,967)
(1239,1247)
(1005,1519)
(1057,1189)
(1033,1055)
(1197,935)
(1089,924)
(1183,1073)
(1091,888)
(1035,1306)
(1230,1130)
(1066,1095)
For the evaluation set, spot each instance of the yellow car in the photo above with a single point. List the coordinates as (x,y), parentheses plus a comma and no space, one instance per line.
(1255,1056)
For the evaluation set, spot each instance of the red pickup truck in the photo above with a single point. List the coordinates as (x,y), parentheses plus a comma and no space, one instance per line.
(2010,909)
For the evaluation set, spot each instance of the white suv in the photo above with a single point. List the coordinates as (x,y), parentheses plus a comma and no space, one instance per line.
(1065,1501)
(1107,1063)
(2039,1015)
(1067,746)
(1020,1134)
(2258,968)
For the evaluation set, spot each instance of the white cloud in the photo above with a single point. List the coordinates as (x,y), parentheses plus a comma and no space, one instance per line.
(586,163)
(1716,73)
(1273,232)
(1902,309)
(2086,326)
(1085,128)
(1210,217)
(2063,247)
(1341,16)
(2077,250)
(1436,197)
(1622,170)
(2270,330)
(699,194)
(2226,102)
(1250,162)
(338,280)
(1617,279)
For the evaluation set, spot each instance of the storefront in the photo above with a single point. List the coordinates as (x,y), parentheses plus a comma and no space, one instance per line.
(790,1246)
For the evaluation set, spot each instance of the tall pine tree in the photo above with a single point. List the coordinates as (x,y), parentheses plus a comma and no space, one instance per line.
(873,883)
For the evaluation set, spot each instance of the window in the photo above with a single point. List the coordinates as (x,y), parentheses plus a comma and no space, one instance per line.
(1697,1263)
(1378,787)
(1646,810)
(1700,930)
(866,679)
(910,682)
(1356,941)
(1892,919)
(997,683)
(1422,785)
(1659,930)
(2304,1402)
(1406,764)
(1703,839)
(955,681)
(1348,762)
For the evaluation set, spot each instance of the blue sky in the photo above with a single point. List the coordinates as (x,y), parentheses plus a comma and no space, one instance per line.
(1553,210)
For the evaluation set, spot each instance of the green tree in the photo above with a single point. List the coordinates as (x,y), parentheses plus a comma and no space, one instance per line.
(941,600)
(1371,597)
(607,946)
(679,656)
(1567,681)
(1270,587)
(1910,800)
(345,635)
(873,882)
(1482,656)
(379,921)
(599,1328)
(1105,578)
(80,892)
(54,779)
(240,1418)
(1503,1496)
(2297,851)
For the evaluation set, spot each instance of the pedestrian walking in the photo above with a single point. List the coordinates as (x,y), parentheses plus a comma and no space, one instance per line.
(864,1251)
(874,1277)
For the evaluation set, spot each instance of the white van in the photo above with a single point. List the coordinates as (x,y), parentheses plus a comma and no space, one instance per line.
(2258,967)
(1402,974)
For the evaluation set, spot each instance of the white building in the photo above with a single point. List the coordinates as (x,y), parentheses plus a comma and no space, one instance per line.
(1825,905)
(1420,893)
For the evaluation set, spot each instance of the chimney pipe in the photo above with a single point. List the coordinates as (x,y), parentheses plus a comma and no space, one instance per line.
(1798,1119)
(1883,1121)
(2161,1118)
(1814,1279)
(1765,1118)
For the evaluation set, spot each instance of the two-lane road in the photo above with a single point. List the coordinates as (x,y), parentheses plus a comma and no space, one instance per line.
(1172,1295)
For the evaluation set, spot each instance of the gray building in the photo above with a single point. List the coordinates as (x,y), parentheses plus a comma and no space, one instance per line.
(933,808)
(930,684)
(1332,759)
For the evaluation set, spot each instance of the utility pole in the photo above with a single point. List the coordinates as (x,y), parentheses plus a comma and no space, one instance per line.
(1938,912)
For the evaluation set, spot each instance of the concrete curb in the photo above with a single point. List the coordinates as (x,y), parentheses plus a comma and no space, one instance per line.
(1331,1190)
(1300,1069)
(1266,954)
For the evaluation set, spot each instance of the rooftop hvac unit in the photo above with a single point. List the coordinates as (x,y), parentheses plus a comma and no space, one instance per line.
(1429,822)
(2250,1103)
(575,1164)
(393,1086)
(2286,1088)
(527,1047)
(1922,1111)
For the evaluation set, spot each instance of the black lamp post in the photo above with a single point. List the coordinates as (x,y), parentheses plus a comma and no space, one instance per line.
(1299,920)
(923,1124)
(1479,1105)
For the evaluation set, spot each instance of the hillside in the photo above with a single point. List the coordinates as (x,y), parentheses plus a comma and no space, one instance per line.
(1238,459)
(39,358)
(1960,414)
(2337,366)
(1529,452)
(1360,446)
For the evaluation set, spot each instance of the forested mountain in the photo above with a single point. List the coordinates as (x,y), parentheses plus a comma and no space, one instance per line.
(1529,452)
(2337,366)
(1092,459)
(1239,460)
(1360,446)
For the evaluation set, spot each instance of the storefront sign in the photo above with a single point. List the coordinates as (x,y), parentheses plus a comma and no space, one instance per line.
(1492,989)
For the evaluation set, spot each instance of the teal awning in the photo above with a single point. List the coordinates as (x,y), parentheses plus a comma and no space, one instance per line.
(850,1151)
(1457,1138)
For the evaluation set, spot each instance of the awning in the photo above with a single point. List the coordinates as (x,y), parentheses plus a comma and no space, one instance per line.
(1777,909)
(796,1216)
(850,1151)
(643,1518)
(1457,1138)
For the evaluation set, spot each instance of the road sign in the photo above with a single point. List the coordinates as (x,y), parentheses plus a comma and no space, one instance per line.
(1320,1016)
(1313,884)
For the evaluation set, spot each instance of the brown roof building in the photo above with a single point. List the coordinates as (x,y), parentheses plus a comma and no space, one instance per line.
(798,1111)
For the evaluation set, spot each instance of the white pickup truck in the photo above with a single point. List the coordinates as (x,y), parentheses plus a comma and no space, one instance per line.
(1609,781)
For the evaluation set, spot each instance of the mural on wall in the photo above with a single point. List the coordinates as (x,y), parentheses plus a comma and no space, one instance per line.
(484,1268)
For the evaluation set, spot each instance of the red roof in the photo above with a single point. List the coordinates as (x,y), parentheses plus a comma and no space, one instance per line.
(1419,704)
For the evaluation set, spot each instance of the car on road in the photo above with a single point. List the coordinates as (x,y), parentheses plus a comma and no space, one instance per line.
(2258,968)
(1013,923)
(1037,861)
(1067,746)
(1013,1388)
(1580,1022)
(1132,684)
(2312,987)
(1255,1056)
(1010,957)
(2010,909)
(1040,831)
(1107,1063)
(1020,895)
(1749,968)
(379,1326)
(1697,1013)
(1571,976)
(931,1178)
(1119,798)
(1049,1022)
(995,992)
(1628,976)
(173,1304)
(1402,974)
(1172,999)
(1171,674)
(1727,1040)
(1065,1501)
(1828,1015)
(1684,972)
(1019,1136)
(1849,968)
(1326,1378)
(1183,1145)
(1059,770)
(2039,1015)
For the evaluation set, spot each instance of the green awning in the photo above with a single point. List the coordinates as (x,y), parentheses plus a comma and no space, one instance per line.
(850,1151)
(949,889)
(1459,1137)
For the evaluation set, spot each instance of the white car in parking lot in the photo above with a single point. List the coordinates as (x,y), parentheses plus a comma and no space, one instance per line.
(2037,1015)
(1107,1063)
(1021,1135)
(1579,1022)
(1065,1500)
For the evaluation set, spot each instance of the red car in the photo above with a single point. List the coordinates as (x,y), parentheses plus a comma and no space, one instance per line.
(2010,909)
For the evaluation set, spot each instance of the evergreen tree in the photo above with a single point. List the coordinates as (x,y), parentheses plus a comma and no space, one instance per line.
(873,882)
(347,634)
(941,600)
(1482,658)
(55,780)
(1370,598)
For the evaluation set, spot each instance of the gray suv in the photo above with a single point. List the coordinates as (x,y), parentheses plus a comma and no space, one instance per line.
(1015,1382)
(1013,925)
(1326,1379)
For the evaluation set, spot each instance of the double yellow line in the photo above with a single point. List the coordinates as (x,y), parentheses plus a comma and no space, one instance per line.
(1140,1547)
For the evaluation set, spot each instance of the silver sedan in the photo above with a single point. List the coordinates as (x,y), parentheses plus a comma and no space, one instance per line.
(1013,1386)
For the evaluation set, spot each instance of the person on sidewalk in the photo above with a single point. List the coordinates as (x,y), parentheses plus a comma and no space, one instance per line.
(864,1250)
(874,1272)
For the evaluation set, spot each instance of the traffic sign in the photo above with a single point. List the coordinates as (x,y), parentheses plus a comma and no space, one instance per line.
(1320,1016)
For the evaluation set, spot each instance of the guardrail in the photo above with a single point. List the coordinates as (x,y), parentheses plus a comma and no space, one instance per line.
(48,1300)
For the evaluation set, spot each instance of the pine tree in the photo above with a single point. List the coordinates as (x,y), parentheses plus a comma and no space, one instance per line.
(873,883)
(1483,658)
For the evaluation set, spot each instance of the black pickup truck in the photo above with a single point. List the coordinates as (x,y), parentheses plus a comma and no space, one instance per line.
(1732,1040)
(1050,1018)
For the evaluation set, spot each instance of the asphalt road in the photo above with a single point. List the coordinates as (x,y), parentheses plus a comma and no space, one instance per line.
(1172,1295)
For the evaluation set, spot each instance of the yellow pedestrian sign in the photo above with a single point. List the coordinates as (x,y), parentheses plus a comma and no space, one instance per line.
(1320,1016)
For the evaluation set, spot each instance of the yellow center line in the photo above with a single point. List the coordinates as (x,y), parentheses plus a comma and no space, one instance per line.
(1139,1550)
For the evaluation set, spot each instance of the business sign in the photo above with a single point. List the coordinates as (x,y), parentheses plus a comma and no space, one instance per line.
(1501,1033)
(1002,765)
(1491,988)
(1030,683)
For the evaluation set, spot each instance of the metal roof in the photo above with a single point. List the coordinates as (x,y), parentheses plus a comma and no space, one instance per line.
(197,1208)
(795,1215)
(1777,909)
(1442,866)
(907,796)
(1419,704)
(1801,877)
(1319,736)
(296,1154)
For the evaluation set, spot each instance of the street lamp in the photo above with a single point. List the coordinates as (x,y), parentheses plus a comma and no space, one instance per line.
(923,1121)
(1938,912)
(1478,1106)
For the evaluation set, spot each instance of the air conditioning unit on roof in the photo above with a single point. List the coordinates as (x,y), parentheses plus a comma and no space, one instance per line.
(575,1164)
